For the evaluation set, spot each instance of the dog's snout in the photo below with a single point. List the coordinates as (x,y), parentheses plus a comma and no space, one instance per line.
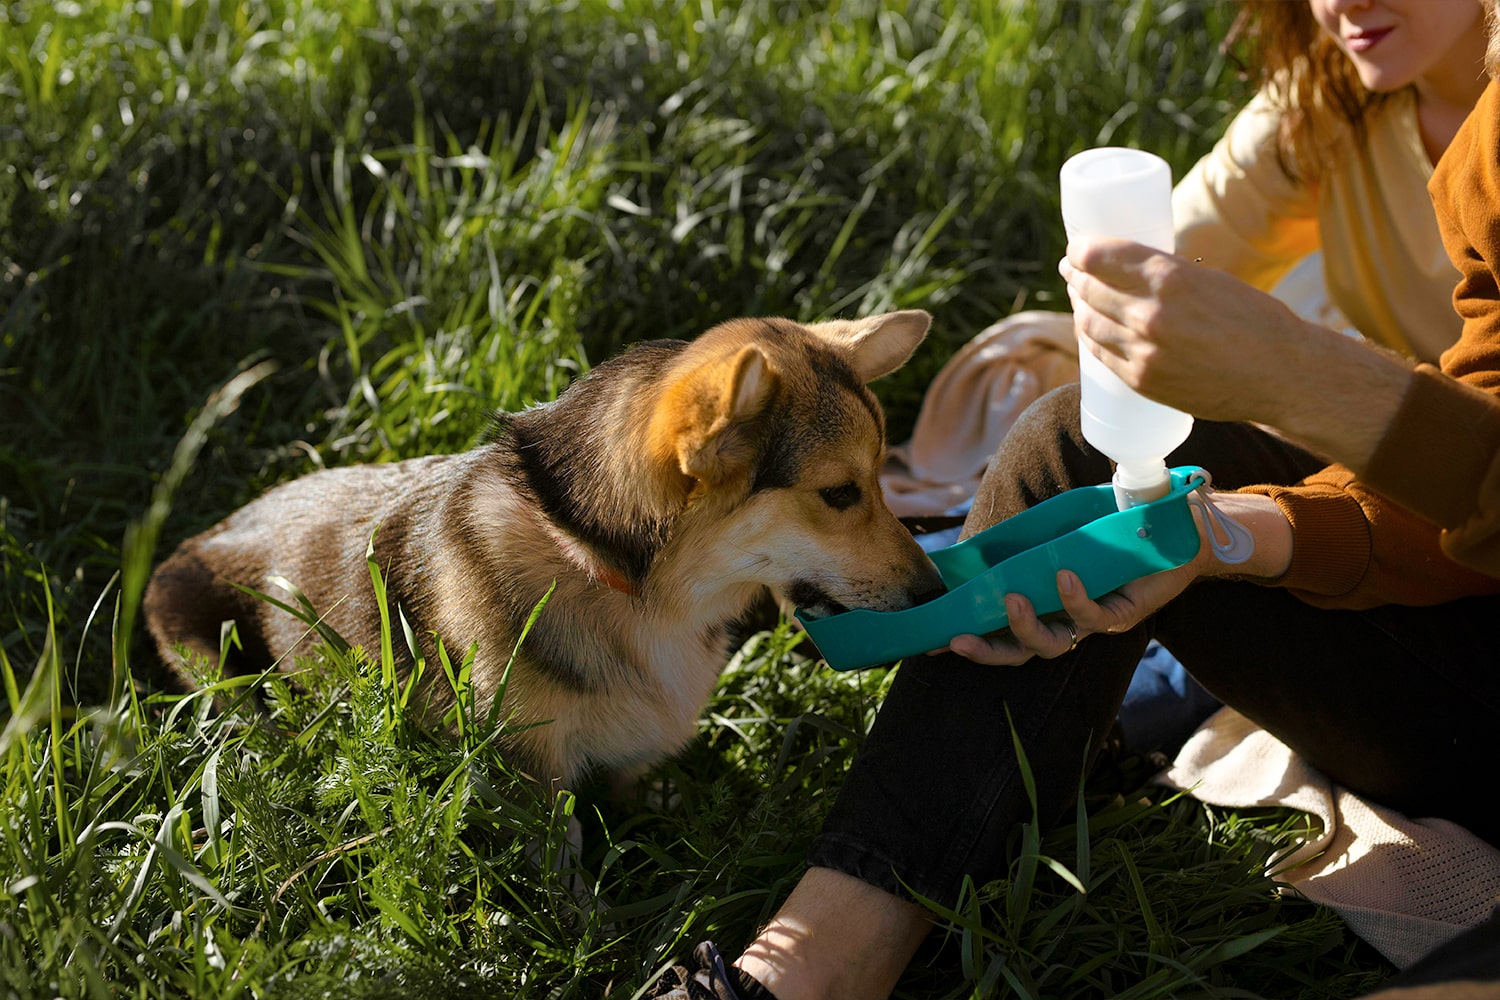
(926,583)
(926,594)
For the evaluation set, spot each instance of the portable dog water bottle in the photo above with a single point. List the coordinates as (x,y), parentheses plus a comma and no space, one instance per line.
(1126,193)
(1082,530)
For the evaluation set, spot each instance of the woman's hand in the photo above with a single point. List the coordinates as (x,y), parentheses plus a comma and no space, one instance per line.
(1030,636)
(1196,338)
(1182,333)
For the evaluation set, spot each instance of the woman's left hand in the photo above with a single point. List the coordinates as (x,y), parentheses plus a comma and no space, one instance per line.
(1120,611)
(1191,336)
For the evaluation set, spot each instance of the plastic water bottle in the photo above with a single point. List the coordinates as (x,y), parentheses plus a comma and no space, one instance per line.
(1127,193)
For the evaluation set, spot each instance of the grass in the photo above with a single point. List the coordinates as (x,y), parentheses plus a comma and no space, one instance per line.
(243,239)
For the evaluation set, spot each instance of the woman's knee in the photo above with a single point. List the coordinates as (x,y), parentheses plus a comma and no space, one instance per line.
(1043,455)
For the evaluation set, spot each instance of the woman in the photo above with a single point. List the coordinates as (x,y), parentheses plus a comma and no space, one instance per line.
(1331,159)
(1348,635)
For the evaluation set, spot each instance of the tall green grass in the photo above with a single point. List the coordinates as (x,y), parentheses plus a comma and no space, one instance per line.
(243,239)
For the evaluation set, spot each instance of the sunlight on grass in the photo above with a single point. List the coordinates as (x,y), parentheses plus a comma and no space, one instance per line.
(369,226)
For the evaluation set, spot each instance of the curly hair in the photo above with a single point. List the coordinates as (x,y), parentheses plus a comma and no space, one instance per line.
(1303,69)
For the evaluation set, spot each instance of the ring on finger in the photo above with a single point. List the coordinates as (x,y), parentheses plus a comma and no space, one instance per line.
(1072,634)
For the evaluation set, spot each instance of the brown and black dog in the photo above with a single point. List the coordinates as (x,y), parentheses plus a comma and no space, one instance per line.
(663,493)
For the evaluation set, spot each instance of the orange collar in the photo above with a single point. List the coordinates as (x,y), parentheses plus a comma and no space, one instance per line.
(597,569)
(615,580)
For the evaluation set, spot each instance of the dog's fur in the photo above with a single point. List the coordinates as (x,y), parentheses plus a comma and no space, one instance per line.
(664,492)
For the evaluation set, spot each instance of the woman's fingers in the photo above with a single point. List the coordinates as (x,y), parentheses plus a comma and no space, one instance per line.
(1026,637)
(1029,635)
(1045,638)
(993,650)
(1111,613)
(1118,261)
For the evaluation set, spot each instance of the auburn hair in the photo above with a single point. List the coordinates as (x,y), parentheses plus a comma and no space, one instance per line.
(1311,80)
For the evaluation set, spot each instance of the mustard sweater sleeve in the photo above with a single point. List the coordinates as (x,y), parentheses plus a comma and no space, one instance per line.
(1354,547)
(1237,209)
(1441,455)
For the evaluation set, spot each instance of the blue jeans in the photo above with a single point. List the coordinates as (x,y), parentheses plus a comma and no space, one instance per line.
(1395,703)
(1163,704)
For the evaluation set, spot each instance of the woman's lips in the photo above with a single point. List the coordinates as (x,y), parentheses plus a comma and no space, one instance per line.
(1364,41)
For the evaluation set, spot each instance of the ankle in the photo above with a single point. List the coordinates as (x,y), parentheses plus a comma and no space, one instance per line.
(780,972)
(748,987)
(835,937)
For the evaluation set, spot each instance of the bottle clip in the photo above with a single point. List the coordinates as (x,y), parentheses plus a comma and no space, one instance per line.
(1237,544)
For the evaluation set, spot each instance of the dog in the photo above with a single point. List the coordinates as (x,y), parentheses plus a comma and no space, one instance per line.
(659,498)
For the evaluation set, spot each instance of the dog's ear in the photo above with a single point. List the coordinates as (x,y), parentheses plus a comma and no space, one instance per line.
(704,414)
(876,345)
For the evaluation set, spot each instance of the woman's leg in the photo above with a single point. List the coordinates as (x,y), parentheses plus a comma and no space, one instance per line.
(936,789)
(935,792)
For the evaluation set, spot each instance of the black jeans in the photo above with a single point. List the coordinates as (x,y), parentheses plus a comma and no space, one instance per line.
(1396,703)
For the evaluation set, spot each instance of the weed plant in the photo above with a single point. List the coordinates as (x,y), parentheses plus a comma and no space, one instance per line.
(245,239)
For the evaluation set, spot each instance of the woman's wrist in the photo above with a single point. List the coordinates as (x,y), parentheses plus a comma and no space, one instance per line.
(1268,526)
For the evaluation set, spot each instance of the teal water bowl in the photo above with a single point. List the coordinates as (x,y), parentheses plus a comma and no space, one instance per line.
(1080,530)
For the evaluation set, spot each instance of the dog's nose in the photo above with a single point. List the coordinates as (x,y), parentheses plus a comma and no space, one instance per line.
(927,594)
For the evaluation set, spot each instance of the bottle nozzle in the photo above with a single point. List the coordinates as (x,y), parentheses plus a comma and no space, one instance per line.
(1138,483)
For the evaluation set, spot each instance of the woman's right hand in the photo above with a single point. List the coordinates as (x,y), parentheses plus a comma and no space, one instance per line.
(1029,635)
(1205,342)
(1181,333)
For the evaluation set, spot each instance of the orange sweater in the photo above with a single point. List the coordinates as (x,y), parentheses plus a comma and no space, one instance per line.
(1440,458)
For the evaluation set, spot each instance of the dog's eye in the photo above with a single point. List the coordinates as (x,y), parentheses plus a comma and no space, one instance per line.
(840,497)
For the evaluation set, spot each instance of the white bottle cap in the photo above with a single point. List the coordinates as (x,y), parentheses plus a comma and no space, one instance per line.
(1138,483)
(1115,191)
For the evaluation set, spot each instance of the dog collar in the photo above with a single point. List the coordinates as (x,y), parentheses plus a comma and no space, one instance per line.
(615,580)
(597,569)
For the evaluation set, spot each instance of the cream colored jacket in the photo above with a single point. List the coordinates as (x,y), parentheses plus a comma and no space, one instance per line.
(1383,258)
